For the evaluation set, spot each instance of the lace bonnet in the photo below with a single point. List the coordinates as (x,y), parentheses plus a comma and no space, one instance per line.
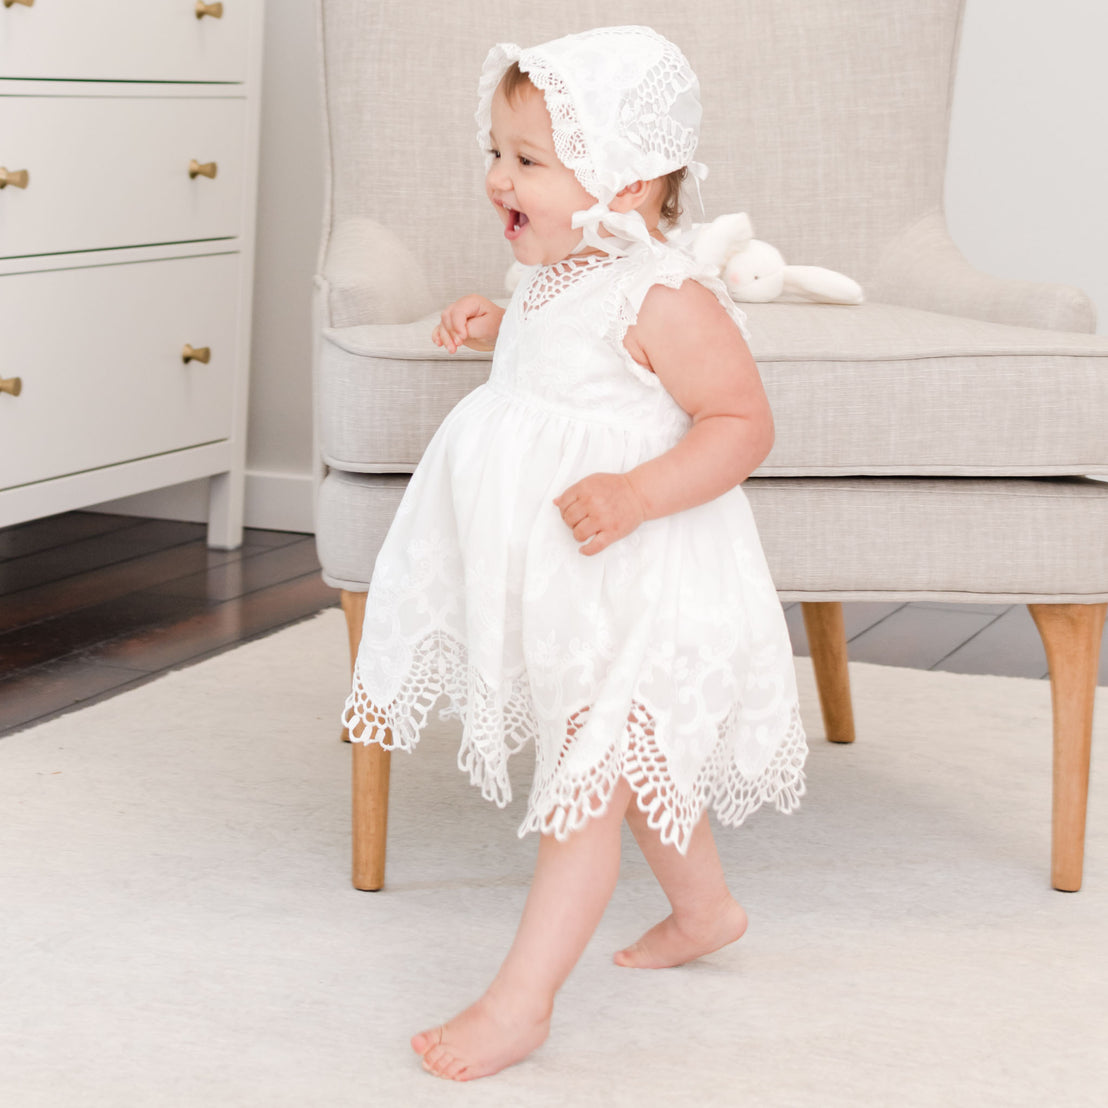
(625,106)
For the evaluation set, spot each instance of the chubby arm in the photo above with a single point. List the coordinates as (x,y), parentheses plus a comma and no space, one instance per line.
(473,321)
(685,337)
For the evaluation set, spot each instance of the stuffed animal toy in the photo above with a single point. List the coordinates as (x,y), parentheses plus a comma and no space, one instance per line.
(755,272)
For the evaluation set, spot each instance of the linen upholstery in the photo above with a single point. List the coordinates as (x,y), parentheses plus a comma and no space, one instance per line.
(372,276)
(924,268)
(951,539)
(868,389)
(827,121)
(956,539)
(353,513)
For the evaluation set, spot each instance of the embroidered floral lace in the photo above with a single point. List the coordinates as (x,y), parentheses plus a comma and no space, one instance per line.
(664,659)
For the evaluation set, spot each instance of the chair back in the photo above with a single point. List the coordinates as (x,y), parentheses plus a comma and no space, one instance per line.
(825,120)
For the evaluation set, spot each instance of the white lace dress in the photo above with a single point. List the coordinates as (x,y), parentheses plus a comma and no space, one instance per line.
(664,659)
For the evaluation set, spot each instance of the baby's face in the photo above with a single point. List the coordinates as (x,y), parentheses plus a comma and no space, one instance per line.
(534,193)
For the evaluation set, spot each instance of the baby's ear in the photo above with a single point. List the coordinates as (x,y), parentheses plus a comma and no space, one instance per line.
(633,197)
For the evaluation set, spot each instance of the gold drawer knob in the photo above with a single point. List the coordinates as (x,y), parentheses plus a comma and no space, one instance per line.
(196,354)
(12,385)
(20,178)
(208,169)
(25,3)
(202,9)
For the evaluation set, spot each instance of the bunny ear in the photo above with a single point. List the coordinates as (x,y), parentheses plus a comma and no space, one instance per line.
(738,228)
(813,282)
(726,235)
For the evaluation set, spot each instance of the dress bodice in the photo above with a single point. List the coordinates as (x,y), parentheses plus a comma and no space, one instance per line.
(561,343)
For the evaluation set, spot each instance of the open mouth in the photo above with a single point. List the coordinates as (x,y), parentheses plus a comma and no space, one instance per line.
(516,223)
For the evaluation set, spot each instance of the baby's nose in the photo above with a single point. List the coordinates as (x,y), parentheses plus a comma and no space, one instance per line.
(497,176)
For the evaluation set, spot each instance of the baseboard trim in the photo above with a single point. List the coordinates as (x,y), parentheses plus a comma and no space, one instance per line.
(273,502)
(280,501)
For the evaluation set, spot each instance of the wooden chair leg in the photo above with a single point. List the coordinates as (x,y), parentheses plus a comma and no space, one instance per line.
(353,607)
(823,623)
(371,815)
(1071,634)
(370,778)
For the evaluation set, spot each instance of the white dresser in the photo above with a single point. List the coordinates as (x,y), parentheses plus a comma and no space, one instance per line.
(128,144)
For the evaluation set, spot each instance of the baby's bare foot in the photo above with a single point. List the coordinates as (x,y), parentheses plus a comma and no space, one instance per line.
(482,1040)
(674,942)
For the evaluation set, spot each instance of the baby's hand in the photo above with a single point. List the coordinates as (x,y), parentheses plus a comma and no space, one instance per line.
(600,509)
(472,321)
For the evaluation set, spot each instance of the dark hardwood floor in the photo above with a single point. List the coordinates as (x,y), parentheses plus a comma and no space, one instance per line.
(92,605)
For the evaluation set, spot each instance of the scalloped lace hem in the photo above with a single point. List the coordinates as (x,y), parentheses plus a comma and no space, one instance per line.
(563,805)
(497,726)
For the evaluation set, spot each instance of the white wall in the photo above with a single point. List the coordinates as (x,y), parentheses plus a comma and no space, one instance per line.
(1026,187)
(290,206)
(1027,177)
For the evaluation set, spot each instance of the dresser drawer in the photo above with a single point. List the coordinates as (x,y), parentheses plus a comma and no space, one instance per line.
(99,354)
(107,172)
(124,40)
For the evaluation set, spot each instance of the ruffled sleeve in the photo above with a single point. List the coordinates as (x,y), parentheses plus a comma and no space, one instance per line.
(636,274)
(661,264)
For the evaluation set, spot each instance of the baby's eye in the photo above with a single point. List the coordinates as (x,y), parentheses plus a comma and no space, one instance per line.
(493,153)
(525,161)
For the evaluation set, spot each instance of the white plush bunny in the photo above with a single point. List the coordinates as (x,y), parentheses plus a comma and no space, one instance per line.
(755,272)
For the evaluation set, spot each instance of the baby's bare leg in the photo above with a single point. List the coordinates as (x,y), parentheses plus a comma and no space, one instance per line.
(571,887)
(705,916)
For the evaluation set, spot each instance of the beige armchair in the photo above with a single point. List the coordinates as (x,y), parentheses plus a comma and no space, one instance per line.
(932,443)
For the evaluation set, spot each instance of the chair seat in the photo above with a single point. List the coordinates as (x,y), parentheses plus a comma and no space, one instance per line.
(919,455)
(946,538)
(870,389)
(955,539)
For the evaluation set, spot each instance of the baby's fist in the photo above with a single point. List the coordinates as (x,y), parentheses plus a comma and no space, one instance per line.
(472,321)
(600,509)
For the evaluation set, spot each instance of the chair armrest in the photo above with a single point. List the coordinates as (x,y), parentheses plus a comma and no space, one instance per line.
(923,268)
(369,275)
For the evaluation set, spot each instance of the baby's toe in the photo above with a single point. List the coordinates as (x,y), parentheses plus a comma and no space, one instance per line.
(633,956)
(424,1040)
(436,1059)
(442,1063)
(453,1070)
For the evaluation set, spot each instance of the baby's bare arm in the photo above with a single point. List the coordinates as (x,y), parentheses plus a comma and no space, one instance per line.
(714,378)
(473,321)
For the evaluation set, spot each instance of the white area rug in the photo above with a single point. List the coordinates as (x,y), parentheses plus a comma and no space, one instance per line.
(177,925)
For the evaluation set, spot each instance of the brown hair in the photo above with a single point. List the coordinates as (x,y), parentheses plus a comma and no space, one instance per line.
(516,83)
(671,194)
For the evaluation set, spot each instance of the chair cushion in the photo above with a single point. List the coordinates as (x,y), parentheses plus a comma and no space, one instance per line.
(957,539)
(353,513)
(836,538)
(870,389)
